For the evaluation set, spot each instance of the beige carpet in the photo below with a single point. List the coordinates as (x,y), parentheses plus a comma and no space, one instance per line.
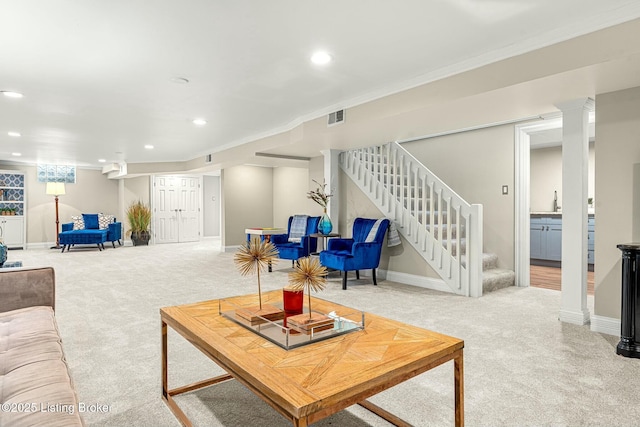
(522,366)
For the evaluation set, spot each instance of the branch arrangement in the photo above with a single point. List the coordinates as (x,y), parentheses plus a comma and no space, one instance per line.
(319,195)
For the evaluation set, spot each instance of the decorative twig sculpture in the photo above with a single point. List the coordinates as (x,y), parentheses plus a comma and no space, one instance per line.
(255,256)
(309,275)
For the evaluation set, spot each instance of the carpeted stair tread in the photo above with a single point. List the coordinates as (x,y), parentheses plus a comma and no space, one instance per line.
(489,261)
(448,230)
(497,278)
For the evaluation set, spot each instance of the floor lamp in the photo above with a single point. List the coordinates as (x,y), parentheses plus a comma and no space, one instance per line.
(56,189)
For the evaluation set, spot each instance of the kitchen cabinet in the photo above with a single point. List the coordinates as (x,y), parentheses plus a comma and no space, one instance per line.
(591,227)
(13,209)
(546,238)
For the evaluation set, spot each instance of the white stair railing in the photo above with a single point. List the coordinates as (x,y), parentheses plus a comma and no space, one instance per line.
(437,222)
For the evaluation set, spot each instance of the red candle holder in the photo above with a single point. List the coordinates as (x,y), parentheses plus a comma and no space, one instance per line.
(292,302)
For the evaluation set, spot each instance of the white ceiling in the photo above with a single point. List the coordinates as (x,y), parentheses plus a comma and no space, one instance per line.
(97,76)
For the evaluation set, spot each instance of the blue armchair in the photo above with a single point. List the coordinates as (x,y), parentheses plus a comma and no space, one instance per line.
(360,252)
(297,250)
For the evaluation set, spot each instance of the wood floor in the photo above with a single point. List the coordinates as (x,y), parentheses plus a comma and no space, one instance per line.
(550,278)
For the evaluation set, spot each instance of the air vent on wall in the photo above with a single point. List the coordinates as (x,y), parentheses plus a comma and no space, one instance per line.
(335,118)
(208,158)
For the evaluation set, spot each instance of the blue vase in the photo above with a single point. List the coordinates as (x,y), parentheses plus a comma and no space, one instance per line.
(3,253)
(325,226)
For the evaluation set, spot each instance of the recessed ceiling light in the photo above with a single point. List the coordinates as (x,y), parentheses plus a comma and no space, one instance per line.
(101,160)
(16,154)
(321,58)
(179,80)
(199,122)
(149,147)
(13,133)
(11,94)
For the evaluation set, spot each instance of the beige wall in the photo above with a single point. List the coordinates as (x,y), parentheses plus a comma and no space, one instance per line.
(247,193)
(91,193)
(476,165)
(546,177)
(616,191)
(290,187)
(265,197)
(134,189)
(316,173)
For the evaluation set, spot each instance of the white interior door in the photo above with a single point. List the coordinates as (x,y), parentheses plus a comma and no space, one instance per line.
(188,209)
(165,210)
(176,209)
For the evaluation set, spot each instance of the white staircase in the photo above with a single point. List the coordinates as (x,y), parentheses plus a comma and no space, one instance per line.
(437,222)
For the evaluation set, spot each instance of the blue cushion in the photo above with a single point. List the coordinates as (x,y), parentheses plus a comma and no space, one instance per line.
(296,250)
(91,221)
(82,237)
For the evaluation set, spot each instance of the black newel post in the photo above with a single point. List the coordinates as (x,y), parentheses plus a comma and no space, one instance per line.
(629,345)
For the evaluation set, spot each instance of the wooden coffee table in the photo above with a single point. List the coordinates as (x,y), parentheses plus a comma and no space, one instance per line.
(309,383)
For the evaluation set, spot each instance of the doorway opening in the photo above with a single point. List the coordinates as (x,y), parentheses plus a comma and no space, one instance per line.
(539,203)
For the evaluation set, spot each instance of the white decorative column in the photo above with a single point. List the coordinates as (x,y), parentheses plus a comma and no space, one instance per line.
(575,162)
(331,177)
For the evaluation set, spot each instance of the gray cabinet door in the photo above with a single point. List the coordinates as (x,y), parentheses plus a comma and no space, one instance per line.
(546,238)
(554,239)
(535,238)
(591,234)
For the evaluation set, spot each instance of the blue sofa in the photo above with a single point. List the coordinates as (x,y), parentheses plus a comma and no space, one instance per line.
(91,229)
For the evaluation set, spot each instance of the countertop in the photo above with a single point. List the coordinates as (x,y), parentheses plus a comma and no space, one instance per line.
(556,214)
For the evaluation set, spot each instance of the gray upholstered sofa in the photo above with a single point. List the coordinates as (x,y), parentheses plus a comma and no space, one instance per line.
(35,386)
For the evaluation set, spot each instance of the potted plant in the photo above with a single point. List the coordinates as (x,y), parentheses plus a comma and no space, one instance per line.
(139,216)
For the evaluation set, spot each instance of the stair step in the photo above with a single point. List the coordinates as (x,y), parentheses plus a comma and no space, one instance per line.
(489,261)
(448,230)
(497,278)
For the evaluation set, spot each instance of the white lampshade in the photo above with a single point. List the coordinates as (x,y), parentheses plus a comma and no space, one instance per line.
(55,188)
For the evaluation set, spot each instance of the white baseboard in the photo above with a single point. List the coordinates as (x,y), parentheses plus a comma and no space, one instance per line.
(233,248)
(40,245)
(605,325)
(575,317)
(415,280)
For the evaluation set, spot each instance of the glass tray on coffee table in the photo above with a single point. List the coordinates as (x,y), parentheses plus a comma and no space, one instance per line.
(344,320)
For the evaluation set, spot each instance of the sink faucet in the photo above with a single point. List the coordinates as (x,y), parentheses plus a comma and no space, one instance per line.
(556,208)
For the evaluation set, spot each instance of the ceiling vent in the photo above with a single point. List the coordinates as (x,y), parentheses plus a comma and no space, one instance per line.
(208,158)
(335,118)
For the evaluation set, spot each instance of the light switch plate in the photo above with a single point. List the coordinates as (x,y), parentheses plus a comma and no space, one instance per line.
(505,189)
